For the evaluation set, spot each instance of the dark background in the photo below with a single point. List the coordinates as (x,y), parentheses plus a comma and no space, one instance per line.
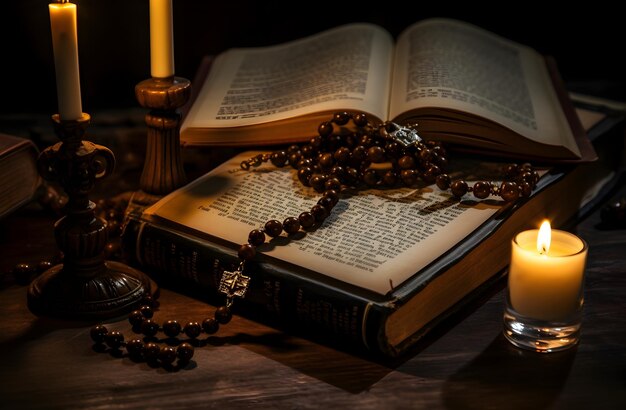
(588,43)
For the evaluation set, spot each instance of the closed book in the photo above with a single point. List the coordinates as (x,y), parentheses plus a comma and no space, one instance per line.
(19,178)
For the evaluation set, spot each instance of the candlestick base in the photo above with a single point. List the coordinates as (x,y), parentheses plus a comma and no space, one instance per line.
(114,291)
(85,286)
(540,335)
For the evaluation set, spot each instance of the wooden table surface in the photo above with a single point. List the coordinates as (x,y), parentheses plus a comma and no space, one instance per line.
(464,364)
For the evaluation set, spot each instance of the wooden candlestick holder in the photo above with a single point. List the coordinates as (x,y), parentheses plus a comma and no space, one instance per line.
(85,286)
(163,167)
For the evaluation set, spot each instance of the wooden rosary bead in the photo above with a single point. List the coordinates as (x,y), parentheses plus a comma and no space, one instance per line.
(360,119)
(481,189)
(279,158)
(406,162)
(511,171)
(317,182)
(167,354)
(341,118)
(408,177)
(307,151)
(332,184)
(184,352)
(326,202)
(376,154)
(319,212)
(371,177)
(210,326)
(390,178)
(525,189)
(342,155)
(148,300)
(338,172)
(352,176)
(273,228)
(294,158)
(151,351)
(307,220)
(256,237)
(146,311)
(246,252)
(325,129)
(459,188)
(316,142)
(291,225)
(509,191)
(136,318)
(443,181)
(359,154)
(425,155)
(98,333)
(171,328)
(114,339)
(333,195)
(304,174)
(134,347)
(149,328)
(223,315)
(326,160)
(192,329)
(431,173)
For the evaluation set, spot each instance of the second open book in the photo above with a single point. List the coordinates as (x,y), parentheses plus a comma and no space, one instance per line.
(461,84)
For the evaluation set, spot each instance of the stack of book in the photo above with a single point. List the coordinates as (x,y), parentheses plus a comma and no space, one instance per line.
(387,265)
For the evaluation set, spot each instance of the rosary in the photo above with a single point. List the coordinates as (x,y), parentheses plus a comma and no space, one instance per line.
(349,152)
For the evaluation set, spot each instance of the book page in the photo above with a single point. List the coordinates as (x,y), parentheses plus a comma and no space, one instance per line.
(342,68)
(374,239)
(449,64)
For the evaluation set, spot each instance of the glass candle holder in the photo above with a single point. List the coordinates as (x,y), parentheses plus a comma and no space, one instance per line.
(544,298)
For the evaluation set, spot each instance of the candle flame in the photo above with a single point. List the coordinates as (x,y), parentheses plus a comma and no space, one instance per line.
(544,237)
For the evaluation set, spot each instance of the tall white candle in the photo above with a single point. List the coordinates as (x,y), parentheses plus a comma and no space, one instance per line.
(546,279)
(65,46)
(161,39)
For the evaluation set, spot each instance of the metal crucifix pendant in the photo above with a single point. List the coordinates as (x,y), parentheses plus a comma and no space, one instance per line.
(234,283)
(405,136)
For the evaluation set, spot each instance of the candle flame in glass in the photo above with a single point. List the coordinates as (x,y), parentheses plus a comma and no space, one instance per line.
(544,237)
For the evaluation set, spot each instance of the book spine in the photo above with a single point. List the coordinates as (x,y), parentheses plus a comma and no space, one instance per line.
(276,296)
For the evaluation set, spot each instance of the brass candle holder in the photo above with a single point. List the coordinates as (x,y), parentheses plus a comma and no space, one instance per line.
(163,167)
(85,286)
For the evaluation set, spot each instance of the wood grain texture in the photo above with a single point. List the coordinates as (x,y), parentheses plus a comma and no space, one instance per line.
(463,364)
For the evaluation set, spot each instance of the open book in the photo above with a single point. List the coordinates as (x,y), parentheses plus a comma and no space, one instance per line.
(459,83)
(384,268)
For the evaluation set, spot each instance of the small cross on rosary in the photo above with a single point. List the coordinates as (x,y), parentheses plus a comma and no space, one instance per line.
(234,284)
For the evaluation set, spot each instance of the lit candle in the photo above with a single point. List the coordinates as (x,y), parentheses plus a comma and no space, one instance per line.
(546,274)
(161,39)
(65,46)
